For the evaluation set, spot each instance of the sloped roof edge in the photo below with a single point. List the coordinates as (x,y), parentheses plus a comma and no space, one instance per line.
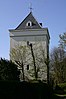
(30,14)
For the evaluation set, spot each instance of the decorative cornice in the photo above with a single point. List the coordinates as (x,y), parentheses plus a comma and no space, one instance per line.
(28,35)
(42,29)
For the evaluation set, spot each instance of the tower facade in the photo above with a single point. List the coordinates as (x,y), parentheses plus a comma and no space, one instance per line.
(30,32)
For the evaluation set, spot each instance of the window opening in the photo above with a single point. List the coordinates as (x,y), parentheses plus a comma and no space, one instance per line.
(28,43)
(29,23)
(27,67)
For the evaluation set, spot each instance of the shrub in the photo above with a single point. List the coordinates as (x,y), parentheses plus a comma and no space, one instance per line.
(8,70)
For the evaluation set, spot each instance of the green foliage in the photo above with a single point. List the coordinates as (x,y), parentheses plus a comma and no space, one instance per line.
(63,86)
(8,70)
(60,91)
(58,63)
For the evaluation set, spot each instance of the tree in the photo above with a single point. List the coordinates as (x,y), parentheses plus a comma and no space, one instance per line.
(62,41)
(8,70)
(39,59)
(33,56)
(18,55)
(36,73)
(63,70)
(57,56)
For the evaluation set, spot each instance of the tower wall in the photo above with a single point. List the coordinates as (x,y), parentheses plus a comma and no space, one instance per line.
(39,39)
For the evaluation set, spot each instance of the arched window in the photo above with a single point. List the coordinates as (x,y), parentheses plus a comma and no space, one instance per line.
(29,23)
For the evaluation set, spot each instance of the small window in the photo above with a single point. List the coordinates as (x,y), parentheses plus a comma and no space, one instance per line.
(27,43)
(27,67)
(29,23)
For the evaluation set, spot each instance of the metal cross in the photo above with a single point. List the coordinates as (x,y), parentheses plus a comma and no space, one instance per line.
(30,7)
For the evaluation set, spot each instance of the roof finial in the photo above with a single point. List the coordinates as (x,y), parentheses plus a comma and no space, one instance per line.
(30,7)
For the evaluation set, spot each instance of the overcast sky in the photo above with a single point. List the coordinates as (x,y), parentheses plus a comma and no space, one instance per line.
(52,14)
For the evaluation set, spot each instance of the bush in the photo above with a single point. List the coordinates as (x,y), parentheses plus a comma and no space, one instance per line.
(58,90)
(63,86)
(24,90)
(8,70)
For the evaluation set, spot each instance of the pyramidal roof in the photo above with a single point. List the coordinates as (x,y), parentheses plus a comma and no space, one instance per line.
(29,23)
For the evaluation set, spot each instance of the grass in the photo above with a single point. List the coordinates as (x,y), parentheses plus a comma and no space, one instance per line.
(64,95)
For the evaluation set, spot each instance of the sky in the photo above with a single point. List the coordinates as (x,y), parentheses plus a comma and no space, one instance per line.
(51,13)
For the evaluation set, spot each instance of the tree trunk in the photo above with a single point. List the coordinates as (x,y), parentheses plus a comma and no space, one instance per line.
(23,70)
(33,61)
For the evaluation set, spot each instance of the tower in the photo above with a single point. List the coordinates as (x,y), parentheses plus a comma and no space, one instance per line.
(29,31)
